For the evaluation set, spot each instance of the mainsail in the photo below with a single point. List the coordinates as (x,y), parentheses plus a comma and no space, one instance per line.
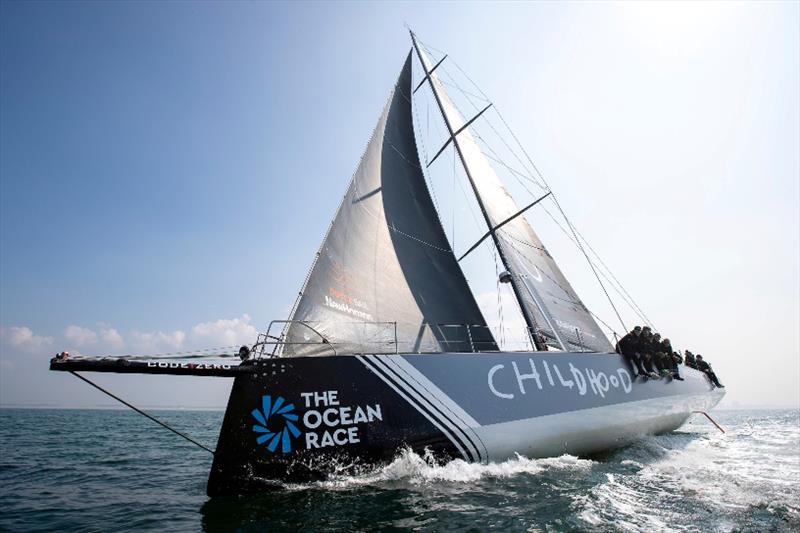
(546,297)
(385,278)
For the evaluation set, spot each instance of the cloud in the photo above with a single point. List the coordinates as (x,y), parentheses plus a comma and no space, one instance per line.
(213,334)
(80,336)
(106,339)
(224,332)
(157,341)
(110,337)
(22,337)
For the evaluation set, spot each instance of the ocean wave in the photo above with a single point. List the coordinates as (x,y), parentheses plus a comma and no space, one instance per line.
(695,479)
(676,481)
(414,469)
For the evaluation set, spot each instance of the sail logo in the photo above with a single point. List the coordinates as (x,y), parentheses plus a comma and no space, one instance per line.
(276,424)
(341,301)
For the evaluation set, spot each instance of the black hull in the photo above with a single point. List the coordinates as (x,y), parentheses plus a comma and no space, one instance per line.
(305,419)
(243,466)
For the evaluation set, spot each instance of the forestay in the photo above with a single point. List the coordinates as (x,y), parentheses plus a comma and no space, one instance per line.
(386,262)
(542,289)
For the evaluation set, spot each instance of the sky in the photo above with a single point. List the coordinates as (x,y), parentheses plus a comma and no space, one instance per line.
(168,170)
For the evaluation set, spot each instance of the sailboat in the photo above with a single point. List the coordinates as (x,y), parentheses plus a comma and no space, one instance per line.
(387,349)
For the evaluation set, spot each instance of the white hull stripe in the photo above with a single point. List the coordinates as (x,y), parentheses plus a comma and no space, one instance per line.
(426,400)
(445,405)
(464,446)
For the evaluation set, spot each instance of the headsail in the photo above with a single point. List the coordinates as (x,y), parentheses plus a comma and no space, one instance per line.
(386,261)
(544,293)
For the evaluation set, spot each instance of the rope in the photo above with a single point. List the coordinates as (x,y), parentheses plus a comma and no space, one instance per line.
(188,353)
(541,177)
(711,419)
(139,357)
(555,200)
(632,301)
(157,421)
(425,171)
(618,286)
(578,239)
(591,264)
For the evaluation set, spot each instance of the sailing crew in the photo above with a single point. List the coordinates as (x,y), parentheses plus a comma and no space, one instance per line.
(706,368)
(689,360)
(659,357)
(644,348)
(673,359)
(627,347)
(542,340)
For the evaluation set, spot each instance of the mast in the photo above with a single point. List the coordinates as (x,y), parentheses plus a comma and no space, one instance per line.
(529,320)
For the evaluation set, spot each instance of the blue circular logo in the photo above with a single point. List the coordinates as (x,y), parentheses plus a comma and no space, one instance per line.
(280,418)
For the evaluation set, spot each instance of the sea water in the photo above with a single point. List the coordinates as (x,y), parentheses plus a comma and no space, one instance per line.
(101,470)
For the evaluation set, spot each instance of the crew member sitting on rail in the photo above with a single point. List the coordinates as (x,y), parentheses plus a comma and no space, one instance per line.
(645,350)
(673,357)
(705,367)
(659,357)
(688,360)
(627,347)
(542,340)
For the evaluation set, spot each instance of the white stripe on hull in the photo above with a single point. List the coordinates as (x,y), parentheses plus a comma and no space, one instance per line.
(451,411)
(580,431)
(592,430)
(416,400)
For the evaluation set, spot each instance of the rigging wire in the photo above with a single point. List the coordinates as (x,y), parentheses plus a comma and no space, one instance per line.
(427,172)
(555,199)
(453,245)
(620,290)
(576,240)
(641,313)
(489,123)
(502,330)
(154,419)
(189,354)
(618,287)
(477,222)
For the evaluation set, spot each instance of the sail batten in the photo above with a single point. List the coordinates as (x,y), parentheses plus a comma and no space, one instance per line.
(386,278)
(548,302)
